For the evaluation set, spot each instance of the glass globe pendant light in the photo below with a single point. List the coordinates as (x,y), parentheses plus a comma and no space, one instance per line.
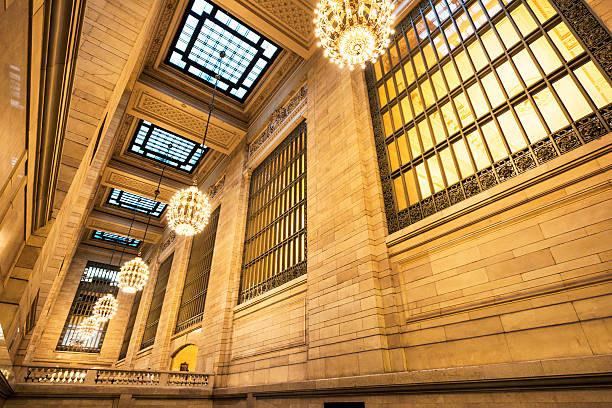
(105,308)
(189,209)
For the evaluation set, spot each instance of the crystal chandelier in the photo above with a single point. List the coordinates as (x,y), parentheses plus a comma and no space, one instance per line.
(189,209)
(105,308)
(352,32)
(133,275)
(88,328)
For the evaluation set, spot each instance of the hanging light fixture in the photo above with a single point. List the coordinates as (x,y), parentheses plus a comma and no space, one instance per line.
(189,209)
(88,328)
(353,32)
(105,308)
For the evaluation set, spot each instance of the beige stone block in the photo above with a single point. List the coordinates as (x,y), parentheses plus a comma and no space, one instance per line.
(561,267)
(453,261)
(586,216)
(424,336)
(599,335)
(591,244)
(594,308)
(561,341)
(543,316)
(465,280)
(421,292)
(521,264)
(474,328)
(511,241)
(371,362)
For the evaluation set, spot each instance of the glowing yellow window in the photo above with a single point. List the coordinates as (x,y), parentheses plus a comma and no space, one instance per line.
(463,109)
(425,135)
(409,72)
(387,124)
(545,55)
(494,141)
(478,100)
(394,56)
(530,121)
(423,181)
(403,149)
(571,97)
(478,16)
(511,131)
(390,89)
(449,166)
(435,173)
(416,102)
(478,56)
(386,64)
(552,113)
(526,67)
(507,32)
(412,41)
(382,95)
(542,9)
(451,75)
(465,69)
(400,194)
(464,26)
(403,47)
(463,159)
(413,195)
(493,90)
(509,79)
(440,46)
(430,57)
(428,94)
(377,70)
(393,159)
(479,152)
(420,29)
(418,63)
(414,143)
(452,124)
(397,118)
(399,80)
(565,41)
(437,126)
(438,83)
(523,20)
(430,18)
(492,7)
(451,36)
(595,84)
(491,44)
(406,110)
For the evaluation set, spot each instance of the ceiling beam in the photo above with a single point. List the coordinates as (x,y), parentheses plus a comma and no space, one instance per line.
(114,224)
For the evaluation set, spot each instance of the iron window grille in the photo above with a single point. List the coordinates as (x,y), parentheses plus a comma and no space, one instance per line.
(115,239)
(129,328)
(275,243)
(98,279)
(472,93)
(157,301)
(206,30)
(152,142)
(193,299)
(133,201)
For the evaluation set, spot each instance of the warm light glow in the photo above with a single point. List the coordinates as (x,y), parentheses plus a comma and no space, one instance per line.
(105,308)
(88,328)
(189,211)
(353,32)
(133,275)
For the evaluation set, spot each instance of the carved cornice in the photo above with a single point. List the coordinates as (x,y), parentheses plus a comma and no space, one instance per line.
(215,190)
(169,241)
(280,117)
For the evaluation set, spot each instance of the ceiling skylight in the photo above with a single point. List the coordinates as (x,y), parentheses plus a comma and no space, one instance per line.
(151,141)
(115,239)
(205,31)
(135,202)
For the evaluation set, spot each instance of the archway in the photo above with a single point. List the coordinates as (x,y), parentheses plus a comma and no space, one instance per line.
(184,359)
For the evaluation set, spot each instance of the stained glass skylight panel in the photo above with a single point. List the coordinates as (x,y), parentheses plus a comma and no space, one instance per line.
(115,239)
(152,142)
(205,31)
(132,202)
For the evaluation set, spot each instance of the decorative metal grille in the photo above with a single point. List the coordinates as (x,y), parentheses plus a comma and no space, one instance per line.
(275,244)
(115,239)
(472,93)
(157,301)
(129,328)
(206,31)
(151,141)
(98,280)
(193,298)
(132,201)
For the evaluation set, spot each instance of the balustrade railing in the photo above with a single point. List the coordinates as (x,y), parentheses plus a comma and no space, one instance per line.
(124,377)
(55,375)
(187,379)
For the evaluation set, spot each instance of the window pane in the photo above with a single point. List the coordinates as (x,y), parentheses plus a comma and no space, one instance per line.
(463,160)
(465,69)
(406,110)
(509,79)
(511,131)
(403,47)
(449,167)
(382,95)
(545,55)
(438,83)
(377,70)
(478,100)
(437,126)
(526,67)
(393,53)
(418,63)
(478,151)
(427,93)
(391,89)
(492,45)
(594,83)
(423,182)
(387,124)
(494,141)
(451,75)
(523,20)
(478,16)
(420,29)
(412,41)
(553,115)
(442,10)
(507,32)
(464,25)
(416,102)
(565,41)
(492,7)
(397,119)
(452,124)
(494,92)
(463,109)
(478,56)
(393,161)
(413,195)
(400,194)
(399,80)
(451,36)
(429,56)
(440,46)
(572,98)
(542,9)
(530,121)
(403,149)
(436,174)
(425,135)
(414,143)
(409,72)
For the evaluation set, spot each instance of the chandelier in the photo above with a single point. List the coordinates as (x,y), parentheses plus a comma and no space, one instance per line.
(88,328)
(105,308)
(352,32)
(189,210)
(133,275)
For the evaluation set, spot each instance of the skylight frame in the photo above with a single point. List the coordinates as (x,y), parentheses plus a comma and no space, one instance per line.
(122,199)
(148,132)
(111,238)
(210,13)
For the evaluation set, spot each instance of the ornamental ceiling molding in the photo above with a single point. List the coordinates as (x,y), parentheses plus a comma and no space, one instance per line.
(280,119)
(158,108)
(214,191)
